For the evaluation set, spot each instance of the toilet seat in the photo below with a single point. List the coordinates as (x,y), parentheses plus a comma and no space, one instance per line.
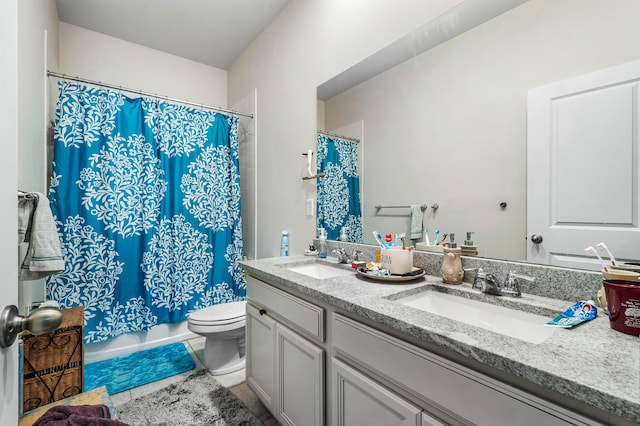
(224,327)
(222,314)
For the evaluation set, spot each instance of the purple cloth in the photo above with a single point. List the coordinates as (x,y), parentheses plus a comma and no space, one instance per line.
(78,415)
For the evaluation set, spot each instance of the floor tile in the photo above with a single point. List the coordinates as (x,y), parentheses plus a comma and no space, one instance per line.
(232,379)
(120,397)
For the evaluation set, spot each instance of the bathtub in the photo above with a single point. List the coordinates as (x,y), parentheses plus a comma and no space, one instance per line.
(159,335)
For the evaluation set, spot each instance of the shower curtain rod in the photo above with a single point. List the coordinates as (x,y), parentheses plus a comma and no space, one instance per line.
(142,93)
(356,140)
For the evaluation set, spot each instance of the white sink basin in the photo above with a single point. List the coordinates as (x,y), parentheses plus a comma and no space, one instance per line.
(319,271)
(509,322)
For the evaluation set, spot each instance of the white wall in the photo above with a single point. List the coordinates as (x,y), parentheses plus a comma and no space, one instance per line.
(308,43)
(451,123)
(99,57)
(247,153)
(37,52)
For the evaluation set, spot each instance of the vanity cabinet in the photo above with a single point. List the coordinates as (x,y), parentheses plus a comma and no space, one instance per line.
(459,394)
(285,357)
(372,377)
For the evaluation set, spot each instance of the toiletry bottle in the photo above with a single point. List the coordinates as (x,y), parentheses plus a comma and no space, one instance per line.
(343,234)
(322,253)
(452,272)
(284,244)
(468,249)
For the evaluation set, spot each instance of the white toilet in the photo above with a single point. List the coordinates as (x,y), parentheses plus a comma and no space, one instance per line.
(223,326)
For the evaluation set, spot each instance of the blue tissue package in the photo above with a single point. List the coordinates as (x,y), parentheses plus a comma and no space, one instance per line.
(576,314)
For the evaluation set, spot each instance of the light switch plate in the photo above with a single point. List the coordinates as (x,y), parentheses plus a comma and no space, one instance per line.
(310,207)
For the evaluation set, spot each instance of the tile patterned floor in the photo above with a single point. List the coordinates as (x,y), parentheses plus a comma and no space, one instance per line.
(235,382)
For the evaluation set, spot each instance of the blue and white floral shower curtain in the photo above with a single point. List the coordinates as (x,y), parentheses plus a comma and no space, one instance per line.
(338,193)
(146,197)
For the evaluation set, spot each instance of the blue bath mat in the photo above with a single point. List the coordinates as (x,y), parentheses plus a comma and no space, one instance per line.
(139,368)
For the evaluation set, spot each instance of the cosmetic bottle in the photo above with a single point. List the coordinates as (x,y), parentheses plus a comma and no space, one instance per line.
(322,253)
(284,244)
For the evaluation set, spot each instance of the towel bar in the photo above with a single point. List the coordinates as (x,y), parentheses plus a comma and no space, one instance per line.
(378,207)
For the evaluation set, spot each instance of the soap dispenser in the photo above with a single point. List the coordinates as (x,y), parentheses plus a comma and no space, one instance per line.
(322,253)
(468,249)
(343,234)
(452,272)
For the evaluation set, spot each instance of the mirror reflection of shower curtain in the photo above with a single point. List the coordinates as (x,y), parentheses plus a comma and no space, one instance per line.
(338,193)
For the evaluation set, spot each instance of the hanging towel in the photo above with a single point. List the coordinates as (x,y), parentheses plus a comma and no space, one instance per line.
(37,227)
(416,222)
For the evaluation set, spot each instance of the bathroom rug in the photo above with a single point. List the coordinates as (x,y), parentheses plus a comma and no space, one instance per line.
(197,400)
(139,368)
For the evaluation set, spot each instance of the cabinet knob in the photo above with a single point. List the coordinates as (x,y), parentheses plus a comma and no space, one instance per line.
(262,311)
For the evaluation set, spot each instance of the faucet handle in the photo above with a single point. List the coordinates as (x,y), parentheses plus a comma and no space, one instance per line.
(355,254)
(340,254)
(511,285)
(477,281)
(511,278)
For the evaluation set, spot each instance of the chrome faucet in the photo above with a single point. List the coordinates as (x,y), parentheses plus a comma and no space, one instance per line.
(511,286)
(488,283)
(343,257)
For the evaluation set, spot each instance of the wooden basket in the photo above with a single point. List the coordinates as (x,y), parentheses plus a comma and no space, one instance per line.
(54,363)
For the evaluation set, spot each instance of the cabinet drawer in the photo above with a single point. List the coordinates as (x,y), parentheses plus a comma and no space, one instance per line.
(456,390)
(298,314)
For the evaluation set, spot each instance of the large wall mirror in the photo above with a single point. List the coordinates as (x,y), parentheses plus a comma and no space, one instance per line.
(448,125)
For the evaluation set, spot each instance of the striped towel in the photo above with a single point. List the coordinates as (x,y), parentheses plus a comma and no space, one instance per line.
(37,227)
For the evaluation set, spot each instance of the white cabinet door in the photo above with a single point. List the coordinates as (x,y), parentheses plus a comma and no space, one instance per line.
(261,355)
(299,380)
(583,182)
(358,400)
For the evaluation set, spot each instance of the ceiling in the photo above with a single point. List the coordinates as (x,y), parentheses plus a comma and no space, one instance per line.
(212,32)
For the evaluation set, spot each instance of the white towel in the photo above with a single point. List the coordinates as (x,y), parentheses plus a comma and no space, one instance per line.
(37,227)
(416,222)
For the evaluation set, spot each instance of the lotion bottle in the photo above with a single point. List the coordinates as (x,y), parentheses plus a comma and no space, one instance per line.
(284,244)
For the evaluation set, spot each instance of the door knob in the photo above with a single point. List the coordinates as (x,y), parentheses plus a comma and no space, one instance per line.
(536,239)
(41,321)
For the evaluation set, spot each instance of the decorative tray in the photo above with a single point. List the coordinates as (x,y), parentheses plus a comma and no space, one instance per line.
(392,278)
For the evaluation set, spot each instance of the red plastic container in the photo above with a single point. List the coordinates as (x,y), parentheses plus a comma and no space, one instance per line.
(623,302)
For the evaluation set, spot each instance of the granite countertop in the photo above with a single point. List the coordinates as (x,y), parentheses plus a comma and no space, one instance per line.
(591,363)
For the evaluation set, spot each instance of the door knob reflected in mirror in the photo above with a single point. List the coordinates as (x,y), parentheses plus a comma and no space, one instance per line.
(536,239)
(41,321)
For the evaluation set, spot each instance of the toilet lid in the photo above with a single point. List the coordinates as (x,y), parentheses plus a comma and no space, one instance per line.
(222,313)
